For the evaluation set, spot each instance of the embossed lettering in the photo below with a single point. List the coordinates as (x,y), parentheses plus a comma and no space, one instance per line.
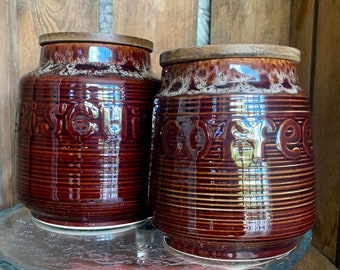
(172,147)
(199,140)
(27,118)
(114,121)
(222,134)
(307,137)
(53,125)
(80,120)
(135,121)
(242,138)
(252,133)
(288,137)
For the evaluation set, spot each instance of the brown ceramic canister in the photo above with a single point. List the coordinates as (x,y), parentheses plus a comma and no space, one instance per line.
(232,171)
(83,131)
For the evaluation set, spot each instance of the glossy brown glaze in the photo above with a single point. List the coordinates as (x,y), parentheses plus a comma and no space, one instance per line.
(232,173)
(83,131)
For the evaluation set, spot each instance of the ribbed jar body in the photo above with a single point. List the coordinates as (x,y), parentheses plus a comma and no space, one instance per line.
(232,172)
(83,130)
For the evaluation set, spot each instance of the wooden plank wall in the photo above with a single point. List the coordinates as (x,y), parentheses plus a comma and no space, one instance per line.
(8,93)
(36,17)
(302,37)
(315,31)
(169,24)
(326,122)
(310,25)
(244,21)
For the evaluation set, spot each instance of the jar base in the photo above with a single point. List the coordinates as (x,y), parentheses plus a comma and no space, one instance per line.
(232,251)
(74,229)
(48,223)
(84,215)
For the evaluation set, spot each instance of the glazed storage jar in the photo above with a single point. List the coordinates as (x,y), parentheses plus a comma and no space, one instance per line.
(83,130)
(232,173)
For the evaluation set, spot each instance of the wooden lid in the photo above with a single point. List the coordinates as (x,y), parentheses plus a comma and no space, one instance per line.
(229,51)
(95,37)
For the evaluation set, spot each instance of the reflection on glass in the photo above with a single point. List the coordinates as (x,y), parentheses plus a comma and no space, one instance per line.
(99,54)
(110,170)
(246,74)
(112,112)
(249,128)
(27,246)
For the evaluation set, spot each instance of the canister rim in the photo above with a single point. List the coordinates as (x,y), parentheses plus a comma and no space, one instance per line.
(207,52)
(112,38)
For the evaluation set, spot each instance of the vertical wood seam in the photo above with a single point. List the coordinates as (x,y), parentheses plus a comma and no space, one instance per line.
(313,53)
(105,13)
(203,22)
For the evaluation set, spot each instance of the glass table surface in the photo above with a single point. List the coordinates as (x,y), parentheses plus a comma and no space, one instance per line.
(28,244)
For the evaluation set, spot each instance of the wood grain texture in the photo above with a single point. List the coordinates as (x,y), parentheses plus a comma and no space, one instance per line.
(244,21)
(168,24)
(8,93)
(301,37)
(36,17)
(326,122)
(314,260)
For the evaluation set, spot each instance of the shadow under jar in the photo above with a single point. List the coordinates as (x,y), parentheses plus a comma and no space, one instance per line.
(83,131)
(232,171)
